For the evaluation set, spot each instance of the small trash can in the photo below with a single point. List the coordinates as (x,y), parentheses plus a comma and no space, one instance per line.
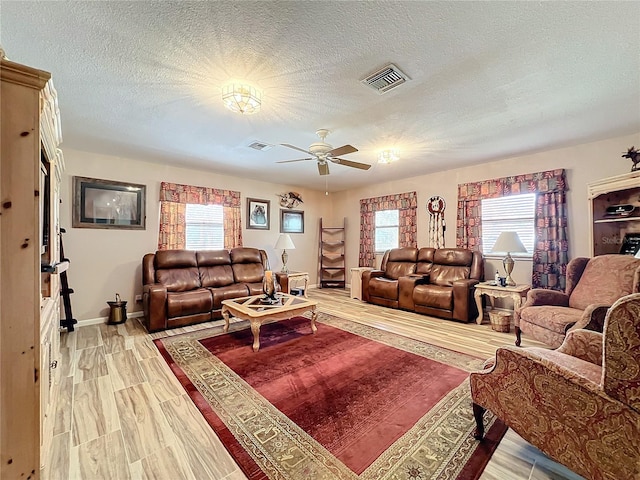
(500,321)
(118,311)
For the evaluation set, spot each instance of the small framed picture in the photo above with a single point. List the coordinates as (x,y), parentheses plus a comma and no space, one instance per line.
(108,204)
(258,214)
(291,221)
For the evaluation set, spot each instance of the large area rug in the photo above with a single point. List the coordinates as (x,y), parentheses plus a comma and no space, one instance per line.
(350,402)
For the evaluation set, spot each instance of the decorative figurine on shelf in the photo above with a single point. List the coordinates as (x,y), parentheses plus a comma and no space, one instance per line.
(290,199)
(269,288)
(634,155)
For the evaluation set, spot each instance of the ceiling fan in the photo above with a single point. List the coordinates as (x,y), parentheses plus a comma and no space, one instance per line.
(324,153)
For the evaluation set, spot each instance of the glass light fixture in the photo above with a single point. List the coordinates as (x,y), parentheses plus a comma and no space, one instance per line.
(240,98)
(388,156)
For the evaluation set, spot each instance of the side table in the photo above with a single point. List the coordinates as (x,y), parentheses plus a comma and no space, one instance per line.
(356,281)
(288,279)
(515,292)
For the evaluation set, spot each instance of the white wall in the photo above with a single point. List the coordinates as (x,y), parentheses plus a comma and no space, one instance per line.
(106,261)
(583,163)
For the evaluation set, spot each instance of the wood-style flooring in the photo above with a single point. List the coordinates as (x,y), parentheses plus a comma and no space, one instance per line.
(121,413)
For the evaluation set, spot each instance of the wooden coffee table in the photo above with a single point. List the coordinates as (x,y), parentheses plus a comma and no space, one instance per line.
(250,308)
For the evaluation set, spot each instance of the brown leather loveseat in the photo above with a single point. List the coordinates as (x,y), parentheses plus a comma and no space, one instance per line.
(183,287)
(438,282)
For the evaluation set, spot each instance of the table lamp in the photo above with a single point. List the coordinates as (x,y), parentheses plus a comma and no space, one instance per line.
(284,242)
(508,242)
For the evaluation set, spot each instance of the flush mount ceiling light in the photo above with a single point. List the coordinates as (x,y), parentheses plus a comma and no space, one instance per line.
(388,156)
(240,98)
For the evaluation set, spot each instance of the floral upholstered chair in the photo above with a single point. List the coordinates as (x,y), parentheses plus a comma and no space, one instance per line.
(593,284)
(579,404)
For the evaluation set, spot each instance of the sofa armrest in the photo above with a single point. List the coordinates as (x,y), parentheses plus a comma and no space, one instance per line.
(366,276)
(592,318)
(154,304)
(543,296)
(464,305)
(406,285)
(583,344)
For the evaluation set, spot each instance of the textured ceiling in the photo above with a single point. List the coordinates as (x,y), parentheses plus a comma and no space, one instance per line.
(488,79)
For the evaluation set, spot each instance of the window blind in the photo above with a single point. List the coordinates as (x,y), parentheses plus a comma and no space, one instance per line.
(204,227)
(387,229)
(514,213)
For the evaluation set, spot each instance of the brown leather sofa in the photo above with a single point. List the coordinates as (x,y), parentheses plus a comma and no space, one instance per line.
(183,287)
(431,281)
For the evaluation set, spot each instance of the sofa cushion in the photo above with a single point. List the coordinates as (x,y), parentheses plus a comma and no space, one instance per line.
(215,268)
(445,275)
(236,290)
(383,287)
(245,255)
(180,304)
(551,317)
(619,270)
(177,270)
(434,296)
(255,288)
(400,262)
(246,264)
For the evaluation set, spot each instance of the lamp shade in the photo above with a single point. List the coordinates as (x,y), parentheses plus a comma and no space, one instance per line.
(284,242)
(508,242)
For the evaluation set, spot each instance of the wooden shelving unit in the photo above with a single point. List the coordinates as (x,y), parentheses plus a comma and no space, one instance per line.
(31,164)
(331,271)
(608,231)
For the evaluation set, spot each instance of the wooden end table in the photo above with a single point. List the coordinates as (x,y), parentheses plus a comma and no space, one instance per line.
(515,292)
(250,308)
(286,279)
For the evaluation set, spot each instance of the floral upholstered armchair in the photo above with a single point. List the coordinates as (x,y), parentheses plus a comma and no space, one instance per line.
(579,404)
(593,284)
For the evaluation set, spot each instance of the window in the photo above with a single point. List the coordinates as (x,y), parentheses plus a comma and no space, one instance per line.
(513,213)
(204,227)
(387,229)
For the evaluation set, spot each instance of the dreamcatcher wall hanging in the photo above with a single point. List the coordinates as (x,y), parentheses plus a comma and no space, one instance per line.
(437,225)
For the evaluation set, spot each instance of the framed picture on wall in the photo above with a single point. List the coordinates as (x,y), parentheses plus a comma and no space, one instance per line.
(258,214)
(291,221)
(108,204)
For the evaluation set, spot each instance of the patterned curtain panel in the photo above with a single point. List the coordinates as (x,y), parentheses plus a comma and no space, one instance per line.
(406,203)
(550,256)
(232,227)
(551,253)
(173,200)
(172,226)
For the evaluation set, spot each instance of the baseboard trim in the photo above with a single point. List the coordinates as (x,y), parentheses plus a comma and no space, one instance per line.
(97,321)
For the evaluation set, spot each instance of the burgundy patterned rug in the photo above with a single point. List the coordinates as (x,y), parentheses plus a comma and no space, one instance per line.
(350,402)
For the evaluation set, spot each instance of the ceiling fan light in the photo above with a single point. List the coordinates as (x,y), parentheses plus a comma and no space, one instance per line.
(389,156)
(240,98)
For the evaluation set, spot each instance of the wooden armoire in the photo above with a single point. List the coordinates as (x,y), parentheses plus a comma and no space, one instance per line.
(30,171)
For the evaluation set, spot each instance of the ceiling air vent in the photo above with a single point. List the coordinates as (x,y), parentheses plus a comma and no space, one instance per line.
(385,79)
(262,146)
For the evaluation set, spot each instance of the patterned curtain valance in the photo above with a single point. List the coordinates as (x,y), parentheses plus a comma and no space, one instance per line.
(540,182)
(177,193)
(398,201)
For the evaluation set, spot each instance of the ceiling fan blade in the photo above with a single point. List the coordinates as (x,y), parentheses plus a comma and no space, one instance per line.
(323,168)
(296,160)
(349,163)
(343,150)
(295,148)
